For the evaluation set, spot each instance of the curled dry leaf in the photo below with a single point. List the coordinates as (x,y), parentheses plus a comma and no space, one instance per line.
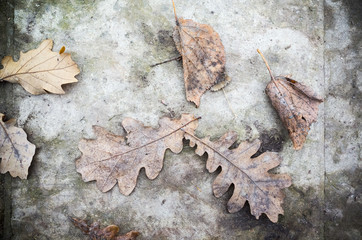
(296,104)
(249,175)
(110,158)
(203,58)
(16,152)
(95,232)
(40,70)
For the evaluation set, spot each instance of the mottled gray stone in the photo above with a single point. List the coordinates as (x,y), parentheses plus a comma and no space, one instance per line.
(343,64)
(114,43)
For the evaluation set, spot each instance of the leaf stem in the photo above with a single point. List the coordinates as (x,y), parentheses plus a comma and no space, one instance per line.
(271,75)
(41,71)
(174,11)
(267,65)
(153,141)
(170,60)
(139,147)
(276,85)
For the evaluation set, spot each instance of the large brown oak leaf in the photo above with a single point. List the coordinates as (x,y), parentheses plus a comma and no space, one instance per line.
(203,58)
(40,70)
(110,158)
(250,176)
(296,104)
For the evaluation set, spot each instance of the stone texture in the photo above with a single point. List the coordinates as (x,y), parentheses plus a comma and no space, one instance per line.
(114,43)
(343,65)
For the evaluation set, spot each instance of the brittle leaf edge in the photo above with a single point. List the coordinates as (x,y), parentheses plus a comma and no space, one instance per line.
(40,70)
(111,158)
(246,171)
(16,152)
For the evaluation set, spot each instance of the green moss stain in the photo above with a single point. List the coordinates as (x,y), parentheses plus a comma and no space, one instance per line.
(156,31)
(68,6)
(64,24)
(139,72)
(33,193)
(71,13)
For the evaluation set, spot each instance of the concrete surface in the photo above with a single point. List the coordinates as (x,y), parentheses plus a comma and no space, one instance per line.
(114,42)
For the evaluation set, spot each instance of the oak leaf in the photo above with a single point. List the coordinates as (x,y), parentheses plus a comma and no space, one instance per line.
(16,152)
(40,70)
(95,232)
(203,58)
(250,176)
(296,104)
(110,158)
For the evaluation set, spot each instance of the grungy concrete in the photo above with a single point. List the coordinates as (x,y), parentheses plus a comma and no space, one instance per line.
(114,43)
(343,68)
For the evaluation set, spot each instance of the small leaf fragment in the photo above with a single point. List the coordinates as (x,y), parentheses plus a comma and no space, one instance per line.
(16,152)
(249,175)
(109,158)
(62,50)
(203,58)
(95,232)
(40,70)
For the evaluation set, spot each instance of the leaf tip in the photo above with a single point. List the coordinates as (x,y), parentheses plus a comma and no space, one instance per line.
(297,146)
(272,218)
(196,101)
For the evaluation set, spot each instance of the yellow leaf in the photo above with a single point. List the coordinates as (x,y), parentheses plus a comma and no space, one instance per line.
(40,70)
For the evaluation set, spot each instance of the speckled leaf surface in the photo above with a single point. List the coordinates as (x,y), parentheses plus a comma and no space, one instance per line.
(110,158)
(203,58)
(249,175)
(296,104)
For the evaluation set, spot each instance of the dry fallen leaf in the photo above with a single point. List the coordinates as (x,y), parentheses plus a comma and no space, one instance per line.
(250,176)
(203,58)
(110,158)
(96,233)
(16,152)
(296,104)
(40,70)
